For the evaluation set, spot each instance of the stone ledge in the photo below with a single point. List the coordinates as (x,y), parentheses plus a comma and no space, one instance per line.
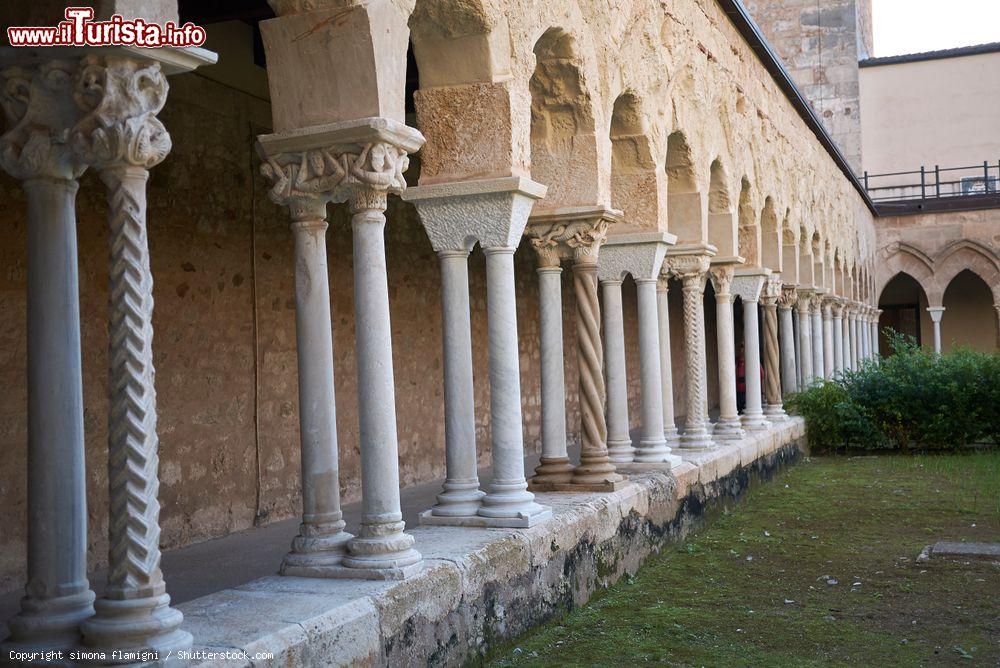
(480,587)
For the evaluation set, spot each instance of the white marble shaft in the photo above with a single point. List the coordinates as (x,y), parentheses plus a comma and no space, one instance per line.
(641,255)
(786,325)
(321,539)
(816,316)
(460,496)
(805,339)
(554,466)
(666,372)
(692,270)
(838,338)
(492,212)
(855,349)
(729,426)
(747,285)
(827,340)
(846,338)
(620,448)
(875,320)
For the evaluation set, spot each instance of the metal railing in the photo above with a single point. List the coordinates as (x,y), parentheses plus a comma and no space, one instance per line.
(936,183)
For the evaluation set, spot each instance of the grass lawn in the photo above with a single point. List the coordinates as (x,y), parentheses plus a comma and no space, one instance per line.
(815,568)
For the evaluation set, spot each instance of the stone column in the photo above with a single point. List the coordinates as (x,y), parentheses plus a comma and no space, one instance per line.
(773,409)
(461,495)
(827,339)
(876,316)
(789,372)
(554,466)
(40,111)
(838,337)
(577,234)
(666,371)
(619,440)
(748,284)
(652,443)
(805,339)
(122,138)
(817,336)
(729,426)
(846,337)
(936,313)
(853,331)
(692,270)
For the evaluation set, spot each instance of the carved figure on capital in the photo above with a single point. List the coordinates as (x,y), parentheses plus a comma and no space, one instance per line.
(722,281)
(577,240)
(787,297)
(690,269)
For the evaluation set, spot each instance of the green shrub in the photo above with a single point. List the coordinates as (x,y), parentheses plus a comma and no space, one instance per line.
(911,400)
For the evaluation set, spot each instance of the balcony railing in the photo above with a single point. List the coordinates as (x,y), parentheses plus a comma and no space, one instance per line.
(934,184)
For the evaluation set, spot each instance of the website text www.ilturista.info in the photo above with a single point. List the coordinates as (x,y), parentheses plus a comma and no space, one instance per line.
(133,656)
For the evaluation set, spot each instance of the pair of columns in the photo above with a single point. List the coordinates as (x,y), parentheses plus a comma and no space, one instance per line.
(456,216)
(936,313)
(576,235)
(66,116)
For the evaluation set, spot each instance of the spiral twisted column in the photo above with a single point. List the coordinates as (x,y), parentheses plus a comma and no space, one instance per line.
(693,273)
(40,110)
(121,136)
(773,409)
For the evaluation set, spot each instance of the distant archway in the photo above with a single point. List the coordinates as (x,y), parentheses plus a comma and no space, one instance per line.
(969,317)
(904,310)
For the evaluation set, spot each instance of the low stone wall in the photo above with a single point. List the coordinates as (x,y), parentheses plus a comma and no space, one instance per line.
(481,587)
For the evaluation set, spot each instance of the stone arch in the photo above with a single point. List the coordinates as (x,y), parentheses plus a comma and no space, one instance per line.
(679,165)
(770,236)
(969,302)
(970,256)
(458,42)
(722,224)
(566,155)
(638,188)
(900,258)
(749,228)
(687,213)
(789,250)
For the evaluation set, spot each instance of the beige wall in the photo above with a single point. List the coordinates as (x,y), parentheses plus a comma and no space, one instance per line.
(944,112)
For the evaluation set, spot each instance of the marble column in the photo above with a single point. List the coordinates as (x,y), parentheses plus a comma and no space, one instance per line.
(554,466)
(460,495)
(876,316)
(652,443)
(817,336)
(729,426)
(670,433)
(846,337)
(828,358)
(936,313)
(619,440)
(692,270)
(492,212)
(58,595)
(748,286)
(797,333)
(838,337)
(789,372)
(853,331)
(122,138)
(805,339)
(577,234)
(773,409)
(866,326)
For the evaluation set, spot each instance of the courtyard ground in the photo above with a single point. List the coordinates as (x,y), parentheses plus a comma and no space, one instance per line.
(817,567)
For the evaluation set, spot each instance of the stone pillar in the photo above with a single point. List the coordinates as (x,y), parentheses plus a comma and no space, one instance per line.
(748,284)
(729,426)
(122,138)
(876,316)
(692,270)
(805,339)
(577,234)
(773,409)
(40,111)
(492,212)
(853,331)
(554,466)
(817,336)
(827,339)
(619,440)
(936,313)
(666,371)
(461,496)
(846,338)
(789,372)
(838,337)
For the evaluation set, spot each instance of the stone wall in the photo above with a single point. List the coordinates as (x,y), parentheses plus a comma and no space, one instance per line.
(821,42)
(224,341)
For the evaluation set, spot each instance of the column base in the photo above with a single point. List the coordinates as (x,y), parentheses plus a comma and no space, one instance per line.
(606,486)
(698,440)
(478,521)
(729,429)
(668,463)
(775,413)
(313,557)
(620,451)
(755,422)
(367,573)
(552,470)
(510,504)
(671,436)
(48,624)
(595,470)
(458,500)
(135,632)
(651,452)
(379,552)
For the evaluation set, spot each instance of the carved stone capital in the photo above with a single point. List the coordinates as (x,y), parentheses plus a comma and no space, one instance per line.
(772,289)
(38,103)
(722,281)
(120,98)
(748,286)
(571,233)
(837,308)
(689,268)
(787,297)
